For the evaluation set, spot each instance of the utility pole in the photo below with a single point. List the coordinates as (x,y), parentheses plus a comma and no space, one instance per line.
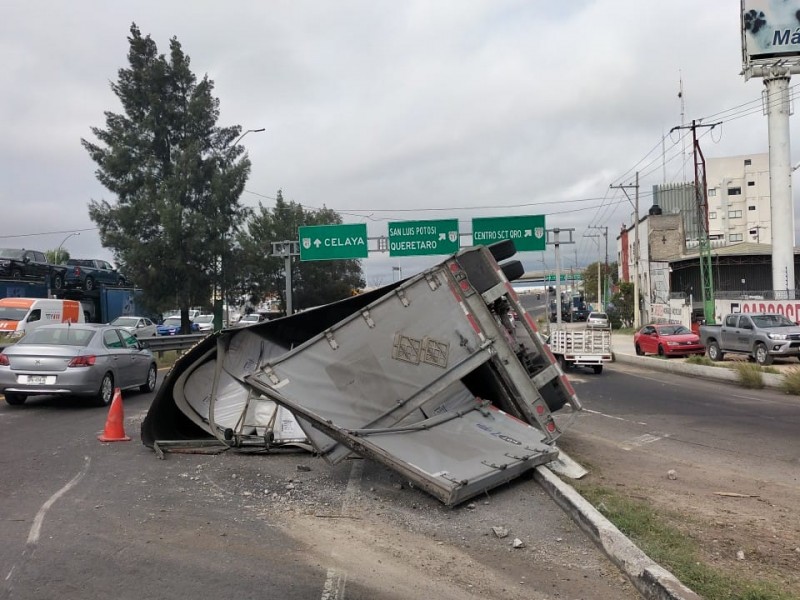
(604,297)
(554,239)
(701,194)
(624,188)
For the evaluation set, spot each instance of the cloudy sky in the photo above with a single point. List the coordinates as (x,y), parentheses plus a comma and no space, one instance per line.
(391,110)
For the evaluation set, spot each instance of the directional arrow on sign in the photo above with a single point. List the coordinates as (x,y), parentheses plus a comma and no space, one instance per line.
(317,243)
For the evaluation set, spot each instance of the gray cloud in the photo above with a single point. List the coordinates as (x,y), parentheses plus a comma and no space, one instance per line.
(384,105)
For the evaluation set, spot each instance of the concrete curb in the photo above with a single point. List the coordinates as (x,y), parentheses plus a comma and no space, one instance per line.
(650,579)
(680,368)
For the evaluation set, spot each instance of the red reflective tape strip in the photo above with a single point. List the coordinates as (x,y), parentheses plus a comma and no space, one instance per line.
(473,322)
(456,295)
(549,353)
(511,291)
(531,323)
(568,385)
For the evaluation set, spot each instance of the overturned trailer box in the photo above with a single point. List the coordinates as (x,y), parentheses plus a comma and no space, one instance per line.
(428,376)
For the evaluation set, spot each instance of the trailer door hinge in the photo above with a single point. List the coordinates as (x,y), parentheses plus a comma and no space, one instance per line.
(370,322)
(433,280)
(402,295)
(331,340)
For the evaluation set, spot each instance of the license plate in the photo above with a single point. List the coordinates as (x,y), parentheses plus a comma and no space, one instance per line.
(37,379)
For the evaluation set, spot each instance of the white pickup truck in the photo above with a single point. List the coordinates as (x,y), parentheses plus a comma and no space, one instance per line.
(581,347)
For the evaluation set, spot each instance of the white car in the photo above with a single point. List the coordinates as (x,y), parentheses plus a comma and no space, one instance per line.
(205,323)
(140,327)
(597,320)
(246,320)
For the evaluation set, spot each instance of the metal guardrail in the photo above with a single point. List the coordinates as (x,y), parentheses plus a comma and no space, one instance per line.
(165,343)
(161,343)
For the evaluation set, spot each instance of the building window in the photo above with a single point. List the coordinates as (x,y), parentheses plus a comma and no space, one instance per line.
(712,192)
(737,191)
(751,208)
(735,214)
(751,183)
(735,237)
(716,236)
(747,162)
(712,215)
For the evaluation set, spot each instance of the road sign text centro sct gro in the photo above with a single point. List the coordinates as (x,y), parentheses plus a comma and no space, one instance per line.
(333,242)
(527,232)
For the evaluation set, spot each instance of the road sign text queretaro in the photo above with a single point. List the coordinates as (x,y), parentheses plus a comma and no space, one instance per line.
(527,232)
(333,242)
(415,238)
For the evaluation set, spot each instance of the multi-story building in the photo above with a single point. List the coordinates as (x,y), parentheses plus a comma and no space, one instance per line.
(738,201)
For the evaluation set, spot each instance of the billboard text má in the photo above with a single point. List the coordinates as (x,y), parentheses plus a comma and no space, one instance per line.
(770,29)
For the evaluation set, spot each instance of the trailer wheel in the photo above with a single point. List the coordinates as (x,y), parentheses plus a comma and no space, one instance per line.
(597,369)
(714,351)
(503,250)
(763,357)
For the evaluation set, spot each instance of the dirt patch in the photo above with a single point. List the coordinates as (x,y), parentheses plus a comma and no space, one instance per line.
(744,524)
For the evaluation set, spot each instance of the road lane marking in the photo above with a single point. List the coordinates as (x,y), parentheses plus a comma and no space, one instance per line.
(641,440)
(36,528)
(600,414)
(334,585)
(335,580)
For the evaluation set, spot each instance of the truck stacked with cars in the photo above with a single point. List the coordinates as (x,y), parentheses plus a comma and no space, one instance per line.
(93,285)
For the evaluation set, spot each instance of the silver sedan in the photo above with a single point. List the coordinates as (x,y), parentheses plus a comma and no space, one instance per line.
(140,327)
(76,359)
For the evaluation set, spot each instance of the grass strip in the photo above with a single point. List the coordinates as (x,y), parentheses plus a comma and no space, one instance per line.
(673,549)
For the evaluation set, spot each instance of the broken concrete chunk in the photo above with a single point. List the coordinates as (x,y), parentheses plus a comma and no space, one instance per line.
(500,532)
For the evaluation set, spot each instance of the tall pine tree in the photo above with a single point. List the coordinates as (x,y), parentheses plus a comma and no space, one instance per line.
(176,177)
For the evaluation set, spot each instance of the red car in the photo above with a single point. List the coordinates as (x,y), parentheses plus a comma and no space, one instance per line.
(667,340)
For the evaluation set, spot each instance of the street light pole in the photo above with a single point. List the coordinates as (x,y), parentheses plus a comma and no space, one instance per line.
(222,286)
(58,251)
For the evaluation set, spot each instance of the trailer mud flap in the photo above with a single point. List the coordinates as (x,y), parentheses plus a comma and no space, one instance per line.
(458,448)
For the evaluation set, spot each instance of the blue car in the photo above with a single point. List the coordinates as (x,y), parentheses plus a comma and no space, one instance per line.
(172,326)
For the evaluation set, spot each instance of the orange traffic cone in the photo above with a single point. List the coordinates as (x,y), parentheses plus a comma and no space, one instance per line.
(115,428)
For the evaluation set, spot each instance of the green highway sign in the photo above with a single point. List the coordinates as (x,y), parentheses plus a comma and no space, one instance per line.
(333,242)
(565,277)
(527,232)
(417,238)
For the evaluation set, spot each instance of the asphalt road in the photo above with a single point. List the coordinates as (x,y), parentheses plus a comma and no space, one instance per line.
(759,428)
(82,519)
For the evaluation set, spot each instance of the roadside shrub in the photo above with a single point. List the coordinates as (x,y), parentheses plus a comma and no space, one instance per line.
(750,376)
(701,360)
(791,382)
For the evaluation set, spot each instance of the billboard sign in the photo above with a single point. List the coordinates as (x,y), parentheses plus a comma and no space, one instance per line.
(415,238)
(333,242)
(770,30)
(527,232)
